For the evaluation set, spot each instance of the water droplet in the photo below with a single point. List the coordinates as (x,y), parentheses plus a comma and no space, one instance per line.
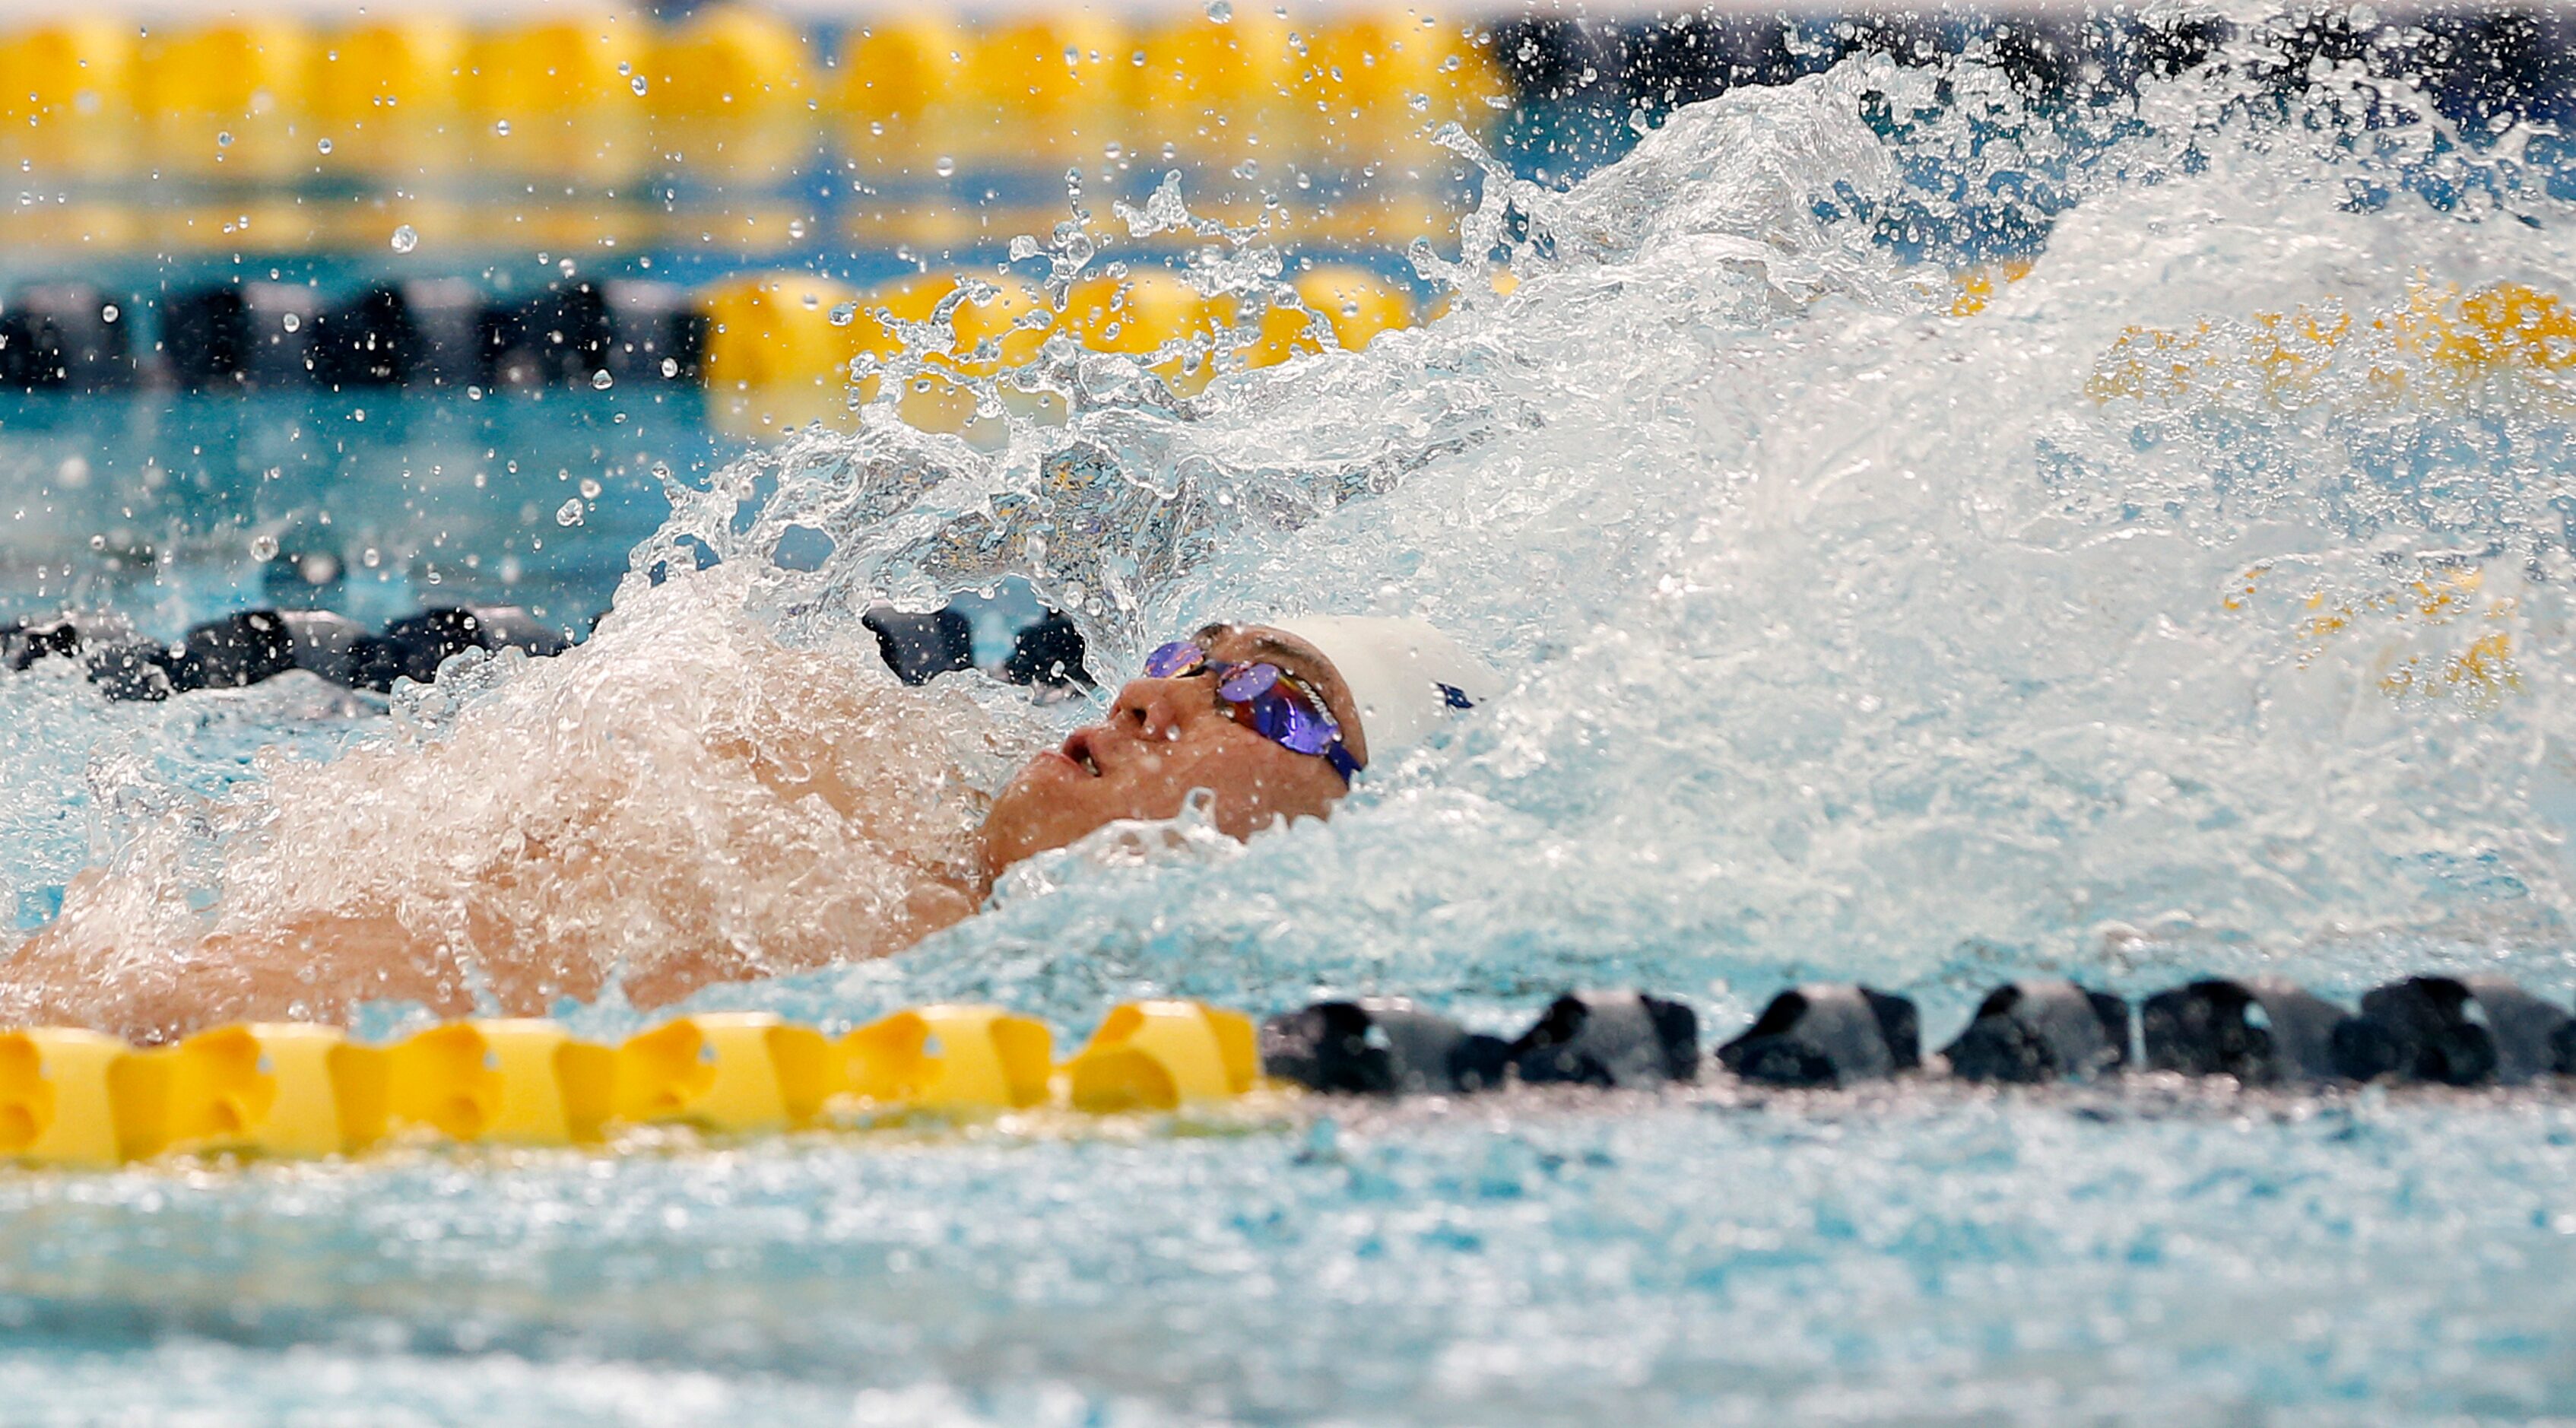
(224,139)
(324,146)
(945,166)
(569,513)
(109,312)
(1220,11)
(405,239)
(670,366)
(291,322)
(636,84)
(813,302)
(501,127)
(600,381)
(589,489)
(263,547)
(796,229)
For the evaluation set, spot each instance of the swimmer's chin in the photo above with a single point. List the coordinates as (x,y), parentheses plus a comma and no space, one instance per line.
(1031,814)
(1188,835)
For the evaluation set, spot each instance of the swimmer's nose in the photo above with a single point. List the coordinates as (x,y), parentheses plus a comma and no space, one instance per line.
(1150,708)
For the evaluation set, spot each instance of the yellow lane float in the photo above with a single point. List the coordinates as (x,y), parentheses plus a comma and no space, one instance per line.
(1215,94)
(776,357)
(903,78)
(1045,87)
(987,337)
(948,1059)
(729,94)
(388,96)
(228,100)
(70,1097)
(557,97)
(1374,85)
(274,1088)
(1143,313)
(726,62)
(1355,303)
(67,96)
(731,1072)
(507,1082)
(1160,1055)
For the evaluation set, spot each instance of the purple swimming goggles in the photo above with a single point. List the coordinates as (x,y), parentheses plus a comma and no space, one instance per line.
(1264,698)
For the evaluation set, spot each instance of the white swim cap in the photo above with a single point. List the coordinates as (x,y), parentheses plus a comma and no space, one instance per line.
(1404,675)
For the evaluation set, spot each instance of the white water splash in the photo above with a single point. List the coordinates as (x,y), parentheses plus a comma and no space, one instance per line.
(1850,636)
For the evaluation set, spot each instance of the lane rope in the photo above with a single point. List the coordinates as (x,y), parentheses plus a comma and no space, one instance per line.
(71,1097)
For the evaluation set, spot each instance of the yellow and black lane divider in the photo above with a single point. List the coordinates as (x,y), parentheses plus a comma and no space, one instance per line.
(767,333)
(70,1097)
(754,335)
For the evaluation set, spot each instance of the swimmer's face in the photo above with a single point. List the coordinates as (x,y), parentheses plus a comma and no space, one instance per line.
(1165,737)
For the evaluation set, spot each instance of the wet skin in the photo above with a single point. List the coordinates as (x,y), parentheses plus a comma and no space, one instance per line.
(1166,737)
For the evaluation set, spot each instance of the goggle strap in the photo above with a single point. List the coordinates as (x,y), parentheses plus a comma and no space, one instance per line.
(1342,762)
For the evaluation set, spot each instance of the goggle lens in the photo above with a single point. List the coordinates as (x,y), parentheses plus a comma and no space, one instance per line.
(1285,719)
(1247,682)
(1171,659)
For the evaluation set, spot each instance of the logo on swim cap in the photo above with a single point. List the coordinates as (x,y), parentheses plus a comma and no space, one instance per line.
(1404,676)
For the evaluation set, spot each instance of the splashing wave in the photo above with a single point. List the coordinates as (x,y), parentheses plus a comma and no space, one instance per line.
(2198,596)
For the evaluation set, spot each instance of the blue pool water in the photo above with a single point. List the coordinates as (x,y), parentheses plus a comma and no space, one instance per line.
(2192,607)
(172,506)
(1893,1256)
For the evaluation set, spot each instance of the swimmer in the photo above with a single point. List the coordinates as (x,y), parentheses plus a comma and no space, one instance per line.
(627,818)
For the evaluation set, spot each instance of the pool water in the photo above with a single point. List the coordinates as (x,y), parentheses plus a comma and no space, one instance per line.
(172,506)
(1921,1257)
(2194,603)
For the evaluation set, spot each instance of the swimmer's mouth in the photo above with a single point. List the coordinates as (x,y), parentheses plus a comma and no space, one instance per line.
(1077,750)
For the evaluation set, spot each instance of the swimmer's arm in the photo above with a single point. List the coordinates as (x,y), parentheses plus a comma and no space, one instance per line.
(314,969)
